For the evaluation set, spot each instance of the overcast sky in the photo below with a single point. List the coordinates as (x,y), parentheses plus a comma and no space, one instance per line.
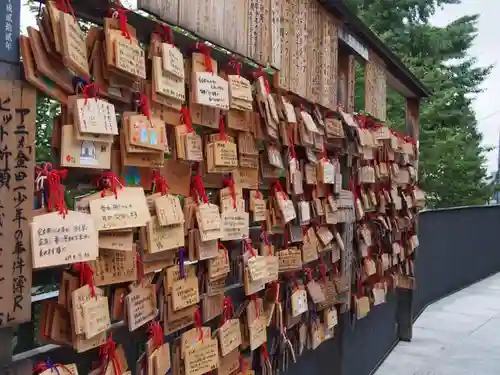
(485,49)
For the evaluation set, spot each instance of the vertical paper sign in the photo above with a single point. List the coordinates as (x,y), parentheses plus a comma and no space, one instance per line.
(10,26)
(17,165)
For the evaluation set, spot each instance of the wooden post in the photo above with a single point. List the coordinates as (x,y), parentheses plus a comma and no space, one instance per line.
(413,122)
(351,84)
(10,19)
(346,80)
(405,296)
(413,117)
(375,87)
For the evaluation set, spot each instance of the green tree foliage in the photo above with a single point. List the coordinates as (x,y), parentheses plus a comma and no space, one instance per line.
(452,161)
(46,110)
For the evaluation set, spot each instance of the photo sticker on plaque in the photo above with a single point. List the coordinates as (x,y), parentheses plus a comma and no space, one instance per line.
(147,134)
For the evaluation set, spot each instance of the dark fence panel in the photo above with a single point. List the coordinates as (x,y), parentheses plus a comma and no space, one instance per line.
(367,341)
(325,360)
(358,347)
(458,247)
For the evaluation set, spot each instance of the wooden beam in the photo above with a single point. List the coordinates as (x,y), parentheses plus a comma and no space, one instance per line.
(346,80)
(10,19)
(375,87)
(413,117)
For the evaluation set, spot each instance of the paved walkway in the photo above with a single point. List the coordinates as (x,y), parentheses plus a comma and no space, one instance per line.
(457,335)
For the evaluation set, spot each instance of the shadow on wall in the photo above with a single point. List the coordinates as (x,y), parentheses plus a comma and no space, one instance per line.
(458,247)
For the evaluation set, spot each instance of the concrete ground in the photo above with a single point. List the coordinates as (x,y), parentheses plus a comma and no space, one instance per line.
(457,335)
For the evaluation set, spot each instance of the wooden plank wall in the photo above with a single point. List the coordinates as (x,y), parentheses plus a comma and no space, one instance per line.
(286,29)
(204,17)
(275,57)
(312,63)
(297,37)
(351,83)
(230,28)
(324,59)
(328,57)
(293,83)
(309,47)
(264,46)
(301,45)
(375,87)
(167,10)
(242,8)
(253,29)
(344,79)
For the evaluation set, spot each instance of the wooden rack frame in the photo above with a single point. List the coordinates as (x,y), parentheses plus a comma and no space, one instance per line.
(387,69)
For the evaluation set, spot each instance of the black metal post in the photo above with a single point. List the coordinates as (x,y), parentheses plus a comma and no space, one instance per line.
(405,314)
